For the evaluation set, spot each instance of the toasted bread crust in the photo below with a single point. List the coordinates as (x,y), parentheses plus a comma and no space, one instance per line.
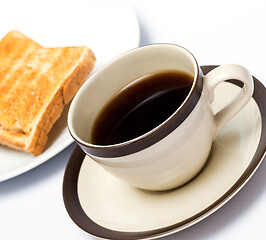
(43,82)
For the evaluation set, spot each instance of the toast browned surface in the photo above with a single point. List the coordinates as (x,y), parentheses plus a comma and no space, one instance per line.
(35,84)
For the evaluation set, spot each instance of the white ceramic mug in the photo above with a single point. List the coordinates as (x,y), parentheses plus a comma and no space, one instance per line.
(175,151)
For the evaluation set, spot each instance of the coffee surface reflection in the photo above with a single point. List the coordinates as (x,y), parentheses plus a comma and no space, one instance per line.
(140,106)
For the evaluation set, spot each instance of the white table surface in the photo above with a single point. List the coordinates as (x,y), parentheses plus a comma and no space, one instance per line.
(216,32)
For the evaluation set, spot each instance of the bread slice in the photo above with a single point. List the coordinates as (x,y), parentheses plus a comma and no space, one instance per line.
(35,84)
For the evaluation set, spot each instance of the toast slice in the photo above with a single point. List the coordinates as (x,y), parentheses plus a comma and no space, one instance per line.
(35,85)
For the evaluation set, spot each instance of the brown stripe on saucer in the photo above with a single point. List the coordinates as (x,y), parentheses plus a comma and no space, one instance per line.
(74,209)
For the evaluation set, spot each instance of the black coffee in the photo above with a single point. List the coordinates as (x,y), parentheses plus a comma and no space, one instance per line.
(140,106)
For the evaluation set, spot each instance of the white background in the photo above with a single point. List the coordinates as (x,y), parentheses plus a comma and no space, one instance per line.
(216,32)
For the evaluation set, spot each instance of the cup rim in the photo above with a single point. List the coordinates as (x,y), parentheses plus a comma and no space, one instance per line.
(154,135)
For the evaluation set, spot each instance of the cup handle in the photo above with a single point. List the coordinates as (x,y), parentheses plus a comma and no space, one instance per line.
(223,73)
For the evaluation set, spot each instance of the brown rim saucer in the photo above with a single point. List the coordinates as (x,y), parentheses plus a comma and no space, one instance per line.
(79,216)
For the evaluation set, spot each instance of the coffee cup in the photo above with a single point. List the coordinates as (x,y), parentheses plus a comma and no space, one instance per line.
(173,152)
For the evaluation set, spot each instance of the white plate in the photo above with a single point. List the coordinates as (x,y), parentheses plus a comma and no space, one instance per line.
(109,28)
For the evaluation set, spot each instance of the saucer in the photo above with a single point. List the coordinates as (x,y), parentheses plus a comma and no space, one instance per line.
(108,208)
